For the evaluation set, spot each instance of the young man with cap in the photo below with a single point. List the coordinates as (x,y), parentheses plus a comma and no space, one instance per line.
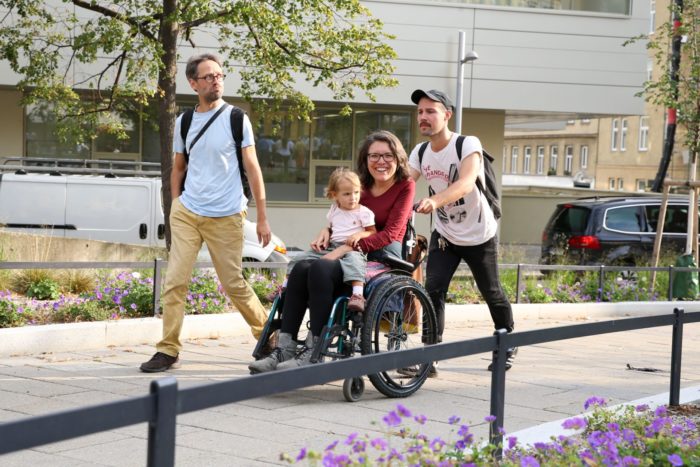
(464,227)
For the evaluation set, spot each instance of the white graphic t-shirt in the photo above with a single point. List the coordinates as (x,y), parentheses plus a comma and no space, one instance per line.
(468,221)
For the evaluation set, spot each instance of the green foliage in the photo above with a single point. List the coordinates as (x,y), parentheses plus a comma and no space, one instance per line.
(205,294)
(683,93)
(126,295)
(264,286)
(129,51)
(11,314)
(629,436)
(44,289)
(82,310)
(24,279)
(76,281)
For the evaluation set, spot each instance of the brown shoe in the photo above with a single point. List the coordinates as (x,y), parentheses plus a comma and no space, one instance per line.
(356,304)
(269,345)
(160,362)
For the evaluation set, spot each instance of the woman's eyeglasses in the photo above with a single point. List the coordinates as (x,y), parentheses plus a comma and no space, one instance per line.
(211,78)
(387,156)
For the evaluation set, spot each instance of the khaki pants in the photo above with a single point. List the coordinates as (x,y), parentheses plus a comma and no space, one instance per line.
(224,239)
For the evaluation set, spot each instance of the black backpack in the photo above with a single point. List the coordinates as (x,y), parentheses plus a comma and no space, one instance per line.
(237,130)
(491,188)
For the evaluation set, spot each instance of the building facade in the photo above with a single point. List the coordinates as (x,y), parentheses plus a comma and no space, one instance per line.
(538,58)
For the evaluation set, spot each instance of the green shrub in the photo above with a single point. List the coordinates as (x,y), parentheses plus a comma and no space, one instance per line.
(44,289)
(11,314)
(129,294)
(76,281)
(205,295)
(81,310)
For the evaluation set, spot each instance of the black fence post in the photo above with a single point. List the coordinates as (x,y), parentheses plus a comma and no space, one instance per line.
(157,278)
(676,353)
(161,428)
(601,282)
(498,390)
(517,285)
(670,283)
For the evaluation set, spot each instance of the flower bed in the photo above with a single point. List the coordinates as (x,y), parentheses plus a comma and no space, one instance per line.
(624,437)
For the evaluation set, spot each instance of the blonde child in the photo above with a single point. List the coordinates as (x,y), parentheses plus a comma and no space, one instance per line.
(348,221)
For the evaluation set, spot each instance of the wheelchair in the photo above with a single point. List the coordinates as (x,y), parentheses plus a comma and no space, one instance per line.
(398,315)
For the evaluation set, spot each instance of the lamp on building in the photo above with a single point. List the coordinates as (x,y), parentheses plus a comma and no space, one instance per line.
(461,60)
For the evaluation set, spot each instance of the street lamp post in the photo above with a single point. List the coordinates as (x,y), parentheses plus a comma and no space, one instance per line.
(461,60)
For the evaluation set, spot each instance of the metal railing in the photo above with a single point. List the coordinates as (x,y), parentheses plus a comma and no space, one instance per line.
(57,166)
(165,401)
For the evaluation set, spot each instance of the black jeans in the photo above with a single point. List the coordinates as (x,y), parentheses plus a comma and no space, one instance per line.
(481,259)
(316,284)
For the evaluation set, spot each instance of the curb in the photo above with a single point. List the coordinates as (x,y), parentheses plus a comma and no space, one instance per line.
(102,334)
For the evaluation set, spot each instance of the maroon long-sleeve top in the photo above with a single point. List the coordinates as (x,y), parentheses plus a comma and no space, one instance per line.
(391,212)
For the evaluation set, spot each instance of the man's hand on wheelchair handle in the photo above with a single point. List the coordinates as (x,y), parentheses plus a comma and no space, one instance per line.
(425,206)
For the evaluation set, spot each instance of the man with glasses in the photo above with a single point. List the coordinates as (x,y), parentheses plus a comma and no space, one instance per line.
(209,207)
(464,226)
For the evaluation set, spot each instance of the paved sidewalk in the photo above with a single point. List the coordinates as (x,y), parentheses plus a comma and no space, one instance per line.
(548,382)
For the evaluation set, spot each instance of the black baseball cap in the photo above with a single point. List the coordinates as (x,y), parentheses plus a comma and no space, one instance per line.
(433,95)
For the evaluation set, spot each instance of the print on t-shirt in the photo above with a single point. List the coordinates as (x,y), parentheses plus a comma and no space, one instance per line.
(453,212)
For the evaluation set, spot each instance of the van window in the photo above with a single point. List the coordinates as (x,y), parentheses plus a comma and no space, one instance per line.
(676,218)
(625,219)
(571,220)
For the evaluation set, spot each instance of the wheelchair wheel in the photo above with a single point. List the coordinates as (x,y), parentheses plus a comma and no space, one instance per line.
(400,316)
(353,388)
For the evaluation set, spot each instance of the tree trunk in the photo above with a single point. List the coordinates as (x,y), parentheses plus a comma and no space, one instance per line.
(169,30)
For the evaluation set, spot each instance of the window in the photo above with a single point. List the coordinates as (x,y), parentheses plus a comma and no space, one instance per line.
(623,135)
(584,157)
(504,159)
(614,134)
(585,121)
(643,133)
(611,183)
(540,160)
(650,69)
(526,161)
(514,160)
(652,16)
(620,184)
(676,220)
(641,185)
(298,157)
(553,162)
(568,159)
(625,219)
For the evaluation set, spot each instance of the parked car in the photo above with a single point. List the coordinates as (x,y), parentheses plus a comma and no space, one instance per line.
(613,230)
(120,210)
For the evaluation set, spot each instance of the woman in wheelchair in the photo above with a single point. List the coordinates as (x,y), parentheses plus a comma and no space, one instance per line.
(388,191)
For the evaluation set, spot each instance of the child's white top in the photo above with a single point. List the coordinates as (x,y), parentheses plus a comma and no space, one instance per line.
(345,223)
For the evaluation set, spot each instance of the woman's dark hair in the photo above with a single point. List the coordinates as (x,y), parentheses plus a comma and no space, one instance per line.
(397,150)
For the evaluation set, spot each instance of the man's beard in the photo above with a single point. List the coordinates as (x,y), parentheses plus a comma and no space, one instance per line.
(213,96)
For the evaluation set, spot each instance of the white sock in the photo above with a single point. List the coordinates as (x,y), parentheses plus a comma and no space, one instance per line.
(357,290)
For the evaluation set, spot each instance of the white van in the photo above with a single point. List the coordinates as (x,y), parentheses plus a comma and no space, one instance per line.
(120,210)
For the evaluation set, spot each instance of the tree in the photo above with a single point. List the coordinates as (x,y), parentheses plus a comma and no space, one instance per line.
(93,61)
(677,88)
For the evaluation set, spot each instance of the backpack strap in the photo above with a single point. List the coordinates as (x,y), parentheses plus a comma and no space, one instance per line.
(201,132)
(185,124)
(237,115)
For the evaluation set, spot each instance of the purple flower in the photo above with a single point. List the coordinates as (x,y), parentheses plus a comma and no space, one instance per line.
(359,446)
(675,460)
(592,401)
(453,420)
(490,419)
(133,306)
(379,444)
(630,460)
(421,419)
(660,411)
(301,455)
(512,442)
(392,419)
(351,438)
(332,446)
(529,461)
(403,411)
(576,423)
(463,430)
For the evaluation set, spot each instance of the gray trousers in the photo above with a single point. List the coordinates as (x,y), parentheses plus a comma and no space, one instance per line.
(354,263)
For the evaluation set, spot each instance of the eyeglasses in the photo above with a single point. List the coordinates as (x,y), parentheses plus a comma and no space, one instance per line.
(387,156)
(210,78)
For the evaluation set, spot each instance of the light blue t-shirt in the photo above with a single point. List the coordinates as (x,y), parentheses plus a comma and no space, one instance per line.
(213,185)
